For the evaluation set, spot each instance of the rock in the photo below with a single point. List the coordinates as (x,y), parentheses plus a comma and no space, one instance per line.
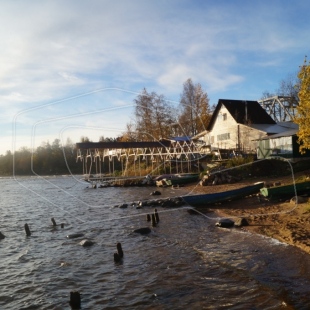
(225,223)
(123,206)
(143,230)
(241,222)
(86,242)
(142,204)
(268,184)
(156,193)
(2,236)
(77,235)
(300,199)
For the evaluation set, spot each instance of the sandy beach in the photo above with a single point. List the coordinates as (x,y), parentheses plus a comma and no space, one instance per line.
(285,221)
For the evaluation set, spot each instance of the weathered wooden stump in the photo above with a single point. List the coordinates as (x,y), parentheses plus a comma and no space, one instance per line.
(2,236)
(119,250)
(156,216)
(153,220)
(119,254)
(27,229)
(53,221)
(75,300)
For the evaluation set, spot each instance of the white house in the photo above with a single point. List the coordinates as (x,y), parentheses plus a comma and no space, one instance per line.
(238,124)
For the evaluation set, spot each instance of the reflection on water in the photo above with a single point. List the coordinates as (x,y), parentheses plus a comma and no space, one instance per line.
(186,262)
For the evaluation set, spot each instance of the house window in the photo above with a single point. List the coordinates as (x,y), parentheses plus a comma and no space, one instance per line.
(223,136)
(222,116)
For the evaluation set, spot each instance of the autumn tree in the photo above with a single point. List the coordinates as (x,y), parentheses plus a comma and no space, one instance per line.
(153,116)
(303,110)
(195,111)
(130,133)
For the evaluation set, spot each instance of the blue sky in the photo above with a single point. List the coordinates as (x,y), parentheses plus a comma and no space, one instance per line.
(72,68)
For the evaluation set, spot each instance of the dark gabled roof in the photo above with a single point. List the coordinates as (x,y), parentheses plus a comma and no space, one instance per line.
(243,111)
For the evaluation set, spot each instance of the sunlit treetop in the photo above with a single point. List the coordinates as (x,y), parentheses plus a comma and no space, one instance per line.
(303,115)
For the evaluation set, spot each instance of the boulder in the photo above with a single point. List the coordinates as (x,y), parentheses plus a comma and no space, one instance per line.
(241,222)
(143,230)
(156,193)
(300,199)
(77,235)
(2,236)
(86,242)
(225,223)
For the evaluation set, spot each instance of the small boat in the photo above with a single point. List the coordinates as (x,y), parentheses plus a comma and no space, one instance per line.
(176,179)
(205,199)
(285,191)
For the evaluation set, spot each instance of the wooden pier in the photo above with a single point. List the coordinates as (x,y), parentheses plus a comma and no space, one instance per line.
(105,162)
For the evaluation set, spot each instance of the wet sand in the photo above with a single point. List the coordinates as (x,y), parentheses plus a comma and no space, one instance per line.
(285,221)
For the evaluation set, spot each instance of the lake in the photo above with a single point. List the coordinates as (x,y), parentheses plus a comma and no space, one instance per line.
(186,262)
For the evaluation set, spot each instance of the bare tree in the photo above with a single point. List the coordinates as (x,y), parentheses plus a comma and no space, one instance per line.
(84,139)
(195,110)
(153,116)
(289,87)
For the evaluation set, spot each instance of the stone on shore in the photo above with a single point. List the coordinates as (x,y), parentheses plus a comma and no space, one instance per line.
(241,222)
(86,242)
(225,223)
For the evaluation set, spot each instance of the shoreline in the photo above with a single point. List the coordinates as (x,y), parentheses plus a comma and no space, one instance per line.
(284,221)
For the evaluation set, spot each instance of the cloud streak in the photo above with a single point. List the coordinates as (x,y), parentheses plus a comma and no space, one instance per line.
(54,50)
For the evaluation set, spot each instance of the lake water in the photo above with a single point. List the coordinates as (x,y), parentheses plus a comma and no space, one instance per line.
(186,262)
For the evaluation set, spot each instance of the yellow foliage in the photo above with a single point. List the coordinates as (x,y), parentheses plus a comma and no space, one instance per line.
(303,116)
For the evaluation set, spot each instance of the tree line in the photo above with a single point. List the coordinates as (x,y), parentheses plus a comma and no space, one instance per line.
(47,159)
(154,118)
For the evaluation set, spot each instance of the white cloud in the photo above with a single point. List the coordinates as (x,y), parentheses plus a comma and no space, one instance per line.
(53,49)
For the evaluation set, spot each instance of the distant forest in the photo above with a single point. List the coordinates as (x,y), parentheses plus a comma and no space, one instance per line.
(48,159)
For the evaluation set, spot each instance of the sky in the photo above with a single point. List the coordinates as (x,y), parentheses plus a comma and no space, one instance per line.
(73,68)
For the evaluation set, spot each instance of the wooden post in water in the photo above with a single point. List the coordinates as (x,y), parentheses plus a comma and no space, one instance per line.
(62,225)
(156,216)
(75,300)
(54,222)
(2,236)
(153,220)
(28,233)
(119,254)
(148,217)
(120,250)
